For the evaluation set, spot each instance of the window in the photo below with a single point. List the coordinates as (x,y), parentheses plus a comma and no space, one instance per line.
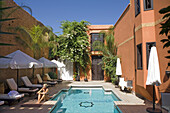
(96,37)
(148,49)
(139,56)
(137,7)
(148,5)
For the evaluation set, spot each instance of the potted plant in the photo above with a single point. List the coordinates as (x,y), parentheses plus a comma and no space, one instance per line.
(74,77)
(85,79)
(77,78)
(52,75)
(107,78)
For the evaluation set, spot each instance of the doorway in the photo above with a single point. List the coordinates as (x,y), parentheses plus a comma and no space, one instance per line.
(97,72)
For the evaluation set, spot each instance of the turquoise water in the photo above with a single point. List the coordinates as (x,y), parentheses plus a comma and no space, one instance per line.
(85,101)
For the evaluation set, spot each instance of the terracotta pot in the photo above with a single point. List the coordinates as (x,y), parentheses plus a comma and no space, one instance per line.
(107,79)
(78,78)
(85,79)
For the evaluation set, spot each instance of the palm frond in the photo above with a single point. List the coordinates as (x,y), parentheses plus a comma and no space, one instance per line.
(7,19)
(18,7)
(7,33)
(6,44)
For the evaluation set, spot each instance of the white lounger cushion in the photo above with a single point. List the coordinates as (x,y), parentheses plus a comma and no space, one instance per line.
(122,83)
(29,84)
(26,81)
(1,102)
(19,96)
(41,81)
(39,78)
(125,84)
(6,96)
(48,77)
(13,86)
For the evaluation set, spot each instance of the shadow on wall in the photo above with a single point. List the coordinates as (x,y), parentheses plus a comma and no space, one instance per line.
(141,91)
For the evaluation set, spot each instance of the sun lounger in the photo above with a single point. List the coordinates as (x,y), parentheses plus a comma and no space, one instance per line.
(122,83)
(1,102)
(129,84)
(45,82)
(49,79)
(10,99)
(28,84)
(13,86)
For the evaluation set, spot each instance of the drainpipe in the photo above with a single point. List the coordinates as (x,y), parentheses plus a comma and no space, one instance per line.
(135,57)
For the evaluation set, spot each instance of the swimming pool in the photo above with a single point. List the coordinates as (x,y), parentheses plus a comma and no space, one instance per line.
(85,100)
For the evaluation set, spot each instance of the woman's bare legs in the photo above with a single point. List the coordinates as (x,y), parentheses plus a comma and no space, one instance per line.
(42,97)
(39,97)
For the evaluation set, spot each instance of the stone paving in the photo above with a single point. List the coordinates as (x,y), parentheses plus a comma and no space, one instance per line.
(127,99)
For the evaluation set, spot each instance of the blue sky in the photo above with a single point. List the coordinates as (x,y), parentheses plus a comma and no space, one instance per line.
(97,12)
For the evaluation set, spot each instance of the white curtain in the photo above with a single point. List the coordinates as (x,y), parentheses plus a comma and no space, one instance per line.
(66,73)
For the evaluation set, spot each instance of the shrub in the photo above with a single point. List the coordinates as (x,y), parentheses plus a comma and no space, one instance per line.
(52,75)
(114,79)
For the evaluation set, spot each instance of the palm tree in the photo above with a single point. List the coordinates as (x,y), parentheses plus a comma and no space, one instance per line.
(53,42)
(109,52)
(165,29)
(35,38)
(110,48)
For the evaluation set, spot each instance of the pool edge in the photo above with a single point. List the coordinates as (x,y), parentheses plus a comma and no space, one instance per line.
(86,86)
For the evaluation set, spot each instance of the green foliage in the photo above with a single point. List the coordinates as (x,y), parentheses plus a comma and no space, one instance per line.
(52,75)
(110,48)
(73,43)
(114,80)
(165,28)
(166,25)
(53,42)
(109,52)
(109,65)
(75,75)
(37,38)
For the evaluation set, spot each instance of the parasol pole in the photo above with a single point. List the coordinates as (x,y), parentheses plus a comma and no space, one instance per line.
(17,78)
(153,97)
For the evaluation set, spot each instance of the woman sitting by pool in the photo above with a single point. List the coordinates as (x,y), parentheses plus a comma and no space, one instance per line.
(43,93)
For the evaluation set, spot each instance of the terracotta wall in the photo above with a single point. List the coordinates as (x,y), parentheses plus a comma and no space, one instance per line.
(124,33)
(24,19)
(131,30)
(93,29)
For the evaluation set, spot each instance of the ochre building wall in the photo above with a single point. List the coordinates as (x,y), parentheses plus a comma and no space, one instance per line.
(131,30)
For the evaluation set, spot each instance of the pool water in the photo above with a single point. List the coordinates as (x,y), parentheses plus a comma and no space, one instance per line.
(85,100)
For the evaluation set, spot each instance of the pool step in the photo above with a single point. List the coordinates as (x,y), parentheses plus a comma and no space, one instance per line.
(107,93)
